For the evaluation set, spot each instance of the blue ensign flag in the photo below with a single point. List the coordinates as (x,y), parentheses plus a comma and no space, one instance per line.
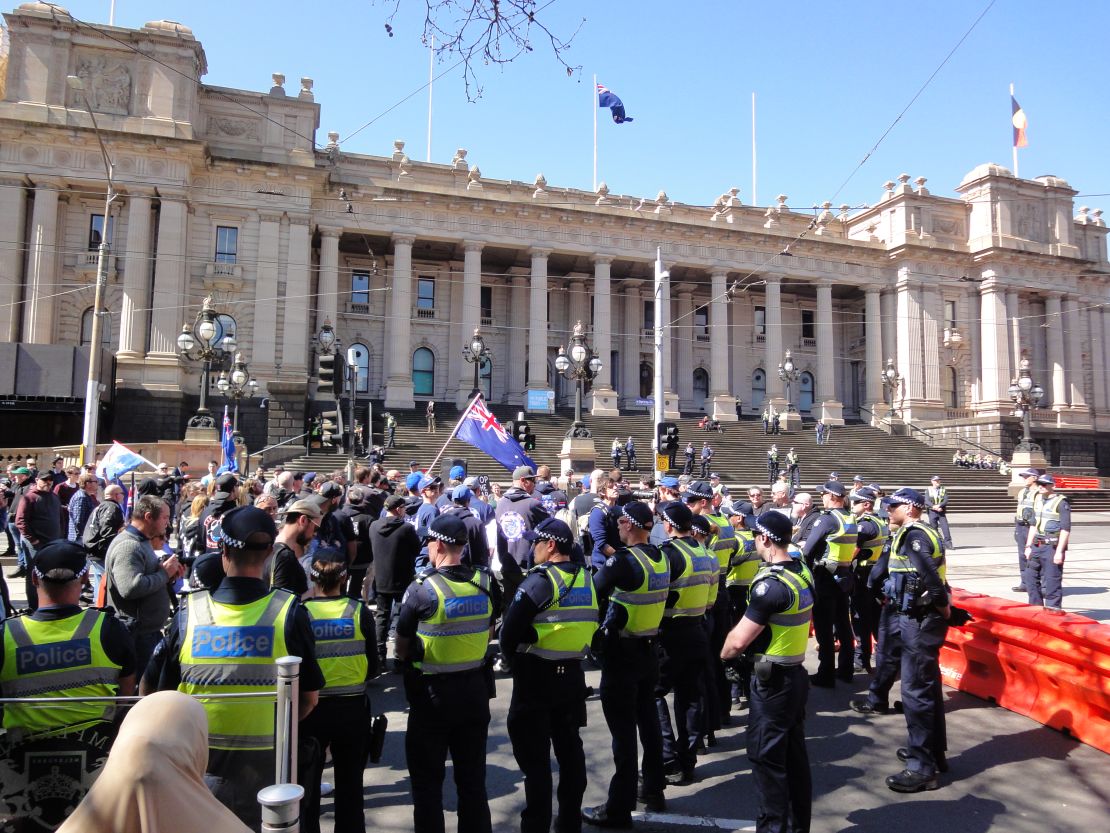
(480,428)
(607,98)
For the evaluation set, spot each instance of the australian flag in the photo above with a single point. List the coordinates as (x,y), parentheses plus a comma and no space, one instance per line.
(228,444)
(607,98)
(480,428)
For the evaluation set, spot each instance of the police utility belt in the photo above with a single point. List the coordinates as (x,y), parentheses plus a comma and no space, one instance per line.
(1041,541)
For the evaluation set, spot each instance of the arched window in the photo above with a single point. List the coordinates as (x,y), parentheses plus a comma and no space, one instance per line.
(87,328)
(361,355)
(805,392)
(423,372)
(759,389)
(647,380)
(701,387)
(951,388)
(485,379)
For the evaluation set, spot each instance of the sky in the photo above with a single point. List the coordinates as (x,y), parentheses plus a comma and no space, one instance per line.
(829,79)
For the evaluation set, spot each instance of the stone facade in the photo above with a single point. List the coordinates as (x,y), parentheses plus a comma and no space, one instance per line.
(406,258)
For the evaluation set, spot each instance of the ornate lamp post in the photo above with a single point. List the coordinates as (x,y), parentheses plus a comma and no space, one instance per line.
(789,373)
(325,339)
(580,364)
(477,353)
(892,381)
(202,343)
(235,385)
(1025,394)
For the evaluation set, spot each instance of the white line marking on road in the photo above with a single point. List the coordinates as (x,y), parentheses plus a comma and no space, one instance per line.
(695,821)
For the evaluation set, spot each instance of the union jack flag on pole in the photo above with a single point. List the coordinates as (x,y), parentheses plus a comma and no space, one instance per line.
(228,445)
(479,428)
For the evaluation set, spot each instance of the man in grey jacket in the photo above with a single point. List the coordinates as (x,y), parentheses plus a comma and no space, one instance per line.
(136,577)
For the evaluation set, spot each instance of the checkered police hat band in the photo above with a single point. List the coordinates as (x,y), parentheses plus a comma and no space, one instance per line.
(551,536)
(631,520)
(762,530)
(79,574)
(905,500)
(440,536)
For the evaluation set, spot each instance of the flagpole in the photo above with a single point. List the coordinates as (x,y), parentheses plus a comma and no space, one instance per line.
(454,430)
(595,131)
(755,199)
(431,78)
(1014,149)
(657,382)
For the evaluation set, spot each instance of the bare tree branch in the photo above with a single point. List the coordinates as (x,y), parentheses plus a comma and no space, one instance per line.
(486,32)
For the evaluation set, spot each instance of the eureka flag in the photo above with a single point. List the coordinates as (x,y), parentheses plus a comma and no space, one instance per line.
(1019,122)
(609,99)
(480,428)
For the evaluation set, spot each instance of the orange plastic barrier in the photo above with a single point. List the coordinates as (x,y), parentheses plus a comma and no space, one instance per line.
(1053,667)
(1066,482)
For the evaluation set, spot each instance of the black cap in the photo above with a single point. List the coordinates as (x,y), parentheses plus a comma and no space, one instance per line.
(638,513)
(908,497)
(147,486)
(700,523)
(227,482)
(449,529)
(677,514)
(1046,480)
(833,487)
(864,493)
(330,489)
(208,570)
(357,495)
(244,522)
(550,529)
(63,555)
(699,489)
(775,526)
(393,501)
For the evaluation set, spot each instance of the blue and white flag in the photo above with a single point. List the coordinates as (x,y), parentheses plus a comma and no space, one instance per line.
(228,444)
(117,461)
(480,428)
(608,99)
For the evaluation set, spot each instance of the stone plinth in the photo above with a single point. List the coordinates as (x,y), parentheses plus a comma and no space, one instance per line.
(604,402)
(578,454)
(724,408)
(1024,460)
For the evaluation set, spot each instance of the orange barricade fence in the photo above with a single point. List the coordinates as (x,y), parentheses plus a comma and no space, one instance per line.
(1051,666)
(1064,481)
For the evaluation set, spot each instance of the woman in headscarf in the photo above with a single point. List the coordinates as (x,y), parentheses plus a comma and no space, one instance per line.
(153,781)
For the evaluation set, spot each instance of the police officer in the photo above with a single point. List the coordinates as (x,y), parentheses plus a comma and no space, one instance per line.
(346,649)
(775,631)
(228,641)
(920,599)
(546,631)
(792,469)
(636,579)
(772,465)
(1023,519)
(443,633)
(742,570)
(683,643)
(688,459)
(829,549)
(1046,545)
(873,537)
(938,509)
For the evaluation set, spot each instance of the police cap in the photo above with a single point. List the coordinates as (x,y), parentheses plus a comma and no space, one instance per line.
(638,514)
(550,529)
(775,526)
(66,557)
(449,529)
(677,514)
(248,528)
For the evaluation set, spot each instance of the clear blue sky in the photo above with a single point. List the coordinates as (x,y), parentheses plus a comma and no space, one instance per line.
(830,78)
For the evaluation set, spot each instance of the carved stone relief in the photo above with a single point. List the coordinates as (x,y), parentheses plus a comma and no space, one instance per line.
(246,129)
(107,84)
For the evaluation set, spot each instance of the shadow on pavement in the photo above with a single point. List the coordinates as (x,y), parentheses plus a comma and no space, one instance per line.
(977,815)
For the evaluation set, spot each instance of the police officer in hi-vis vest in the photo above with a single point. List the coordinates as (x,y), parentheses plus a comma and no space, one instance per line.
(742,568)
(228,640)
(775,631)
(443,633)
(636,579)
(1046,544)
(873,537)
(1023,519)
(346,648)
(938,509)
(546,630)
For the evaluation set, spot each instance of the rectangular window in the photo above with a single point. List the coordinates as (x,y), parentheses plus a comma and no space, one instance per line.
(761,321)
(96,230)
(807,324)
(426,294)
(487,303)
(649,315)
(701,320)
(227,244)
(360,288)
(950,314)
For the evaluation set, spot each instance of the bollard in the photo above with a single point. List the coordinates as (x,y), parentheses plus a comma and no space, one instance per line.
(281,808)
(285,728)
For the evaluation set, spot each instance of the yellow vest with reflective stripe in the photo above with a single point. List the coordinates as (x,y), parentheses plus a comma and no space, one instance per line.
(724,545)
(1025,500)
(61,658)
(565,628)
(790,628)
(746,562)
(1048,513)
(340,645)
(646,603)
(456,636)
(233,649)
(842,543)
(699,569)
(872,548)
(901,563)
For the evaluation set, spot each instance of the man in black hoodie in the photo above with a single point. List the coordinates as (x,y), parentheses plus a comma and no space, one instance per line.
(356,517)
(223,500)
(517,512)
(395,545)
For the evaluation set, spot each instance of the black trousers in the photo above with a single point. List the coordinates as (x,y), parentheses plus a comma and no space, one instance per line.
(865,614)
(1021,535)
(738,594)
(629,673)
(683,656)
(922,698)
(831,621)
(343,725)
(777,750)
(705,468)
(772,473)
(888,657)
(448,714)
(387,606)
(939,522)
(1044,578)
(547,710)
(717,702)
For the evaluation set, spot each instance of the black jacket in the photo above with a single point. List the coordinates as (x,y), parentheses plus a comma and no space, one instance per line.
(358,520)
(102,527)
(517,512)
(477,552)
(395,546)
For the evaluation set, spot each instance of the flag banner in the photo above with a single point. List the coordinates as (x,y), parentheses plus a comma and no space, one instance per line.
(228,445)
(1020,123)
(118,461)
(479,428)
(608,99)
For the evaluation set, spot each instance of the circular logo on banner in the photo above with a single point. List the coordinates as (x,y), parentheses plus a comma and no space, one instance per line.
(512,526)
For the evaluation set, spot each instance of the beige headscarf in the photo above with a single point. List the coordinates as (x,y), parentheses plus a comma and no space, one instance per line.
(153,781)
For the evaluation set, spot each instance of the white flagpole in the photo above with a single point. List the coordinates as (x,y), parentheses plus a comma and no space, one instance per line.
(454,431)
(595,131)
(657,382)
(755,199)
(1012,133)
(431,78)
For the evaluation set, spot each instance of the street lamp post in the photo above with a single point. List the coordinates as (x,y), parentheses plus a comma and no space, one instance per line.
(580,364)
(789,373)
(235,385)
(1025,394)
(892,381)
(92,385)
(477,353)
(202,343)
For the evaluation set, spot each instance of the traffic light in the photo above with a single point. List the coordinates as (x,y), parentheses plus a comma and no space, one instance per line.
(666,437)
(331,374)
(329,428)
(521,429)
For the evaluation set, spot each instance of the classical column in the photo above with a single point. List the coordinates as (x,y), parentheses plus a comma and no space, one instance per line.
(874,360)
(537,321)
(264,338)
(518,336)
(298,287)
(888,302)
(630,346)
(327,302)
(136,279)
(1054,337)
(724,404)
(1072,325)
(932,308)
(42,265)
(470,315)
(13,211)
(910,351)
(1098,355)
(974,337)
(604,397)
(772,317)
(995,347)
(832,409)
(1013,318)
(398,386)
(684,344)
(169,280)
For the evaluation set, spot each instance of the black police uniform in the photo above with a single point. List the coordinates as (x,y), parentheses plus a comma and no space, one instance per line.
(888,644)
(864,601)
(547,709)
(832,618)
